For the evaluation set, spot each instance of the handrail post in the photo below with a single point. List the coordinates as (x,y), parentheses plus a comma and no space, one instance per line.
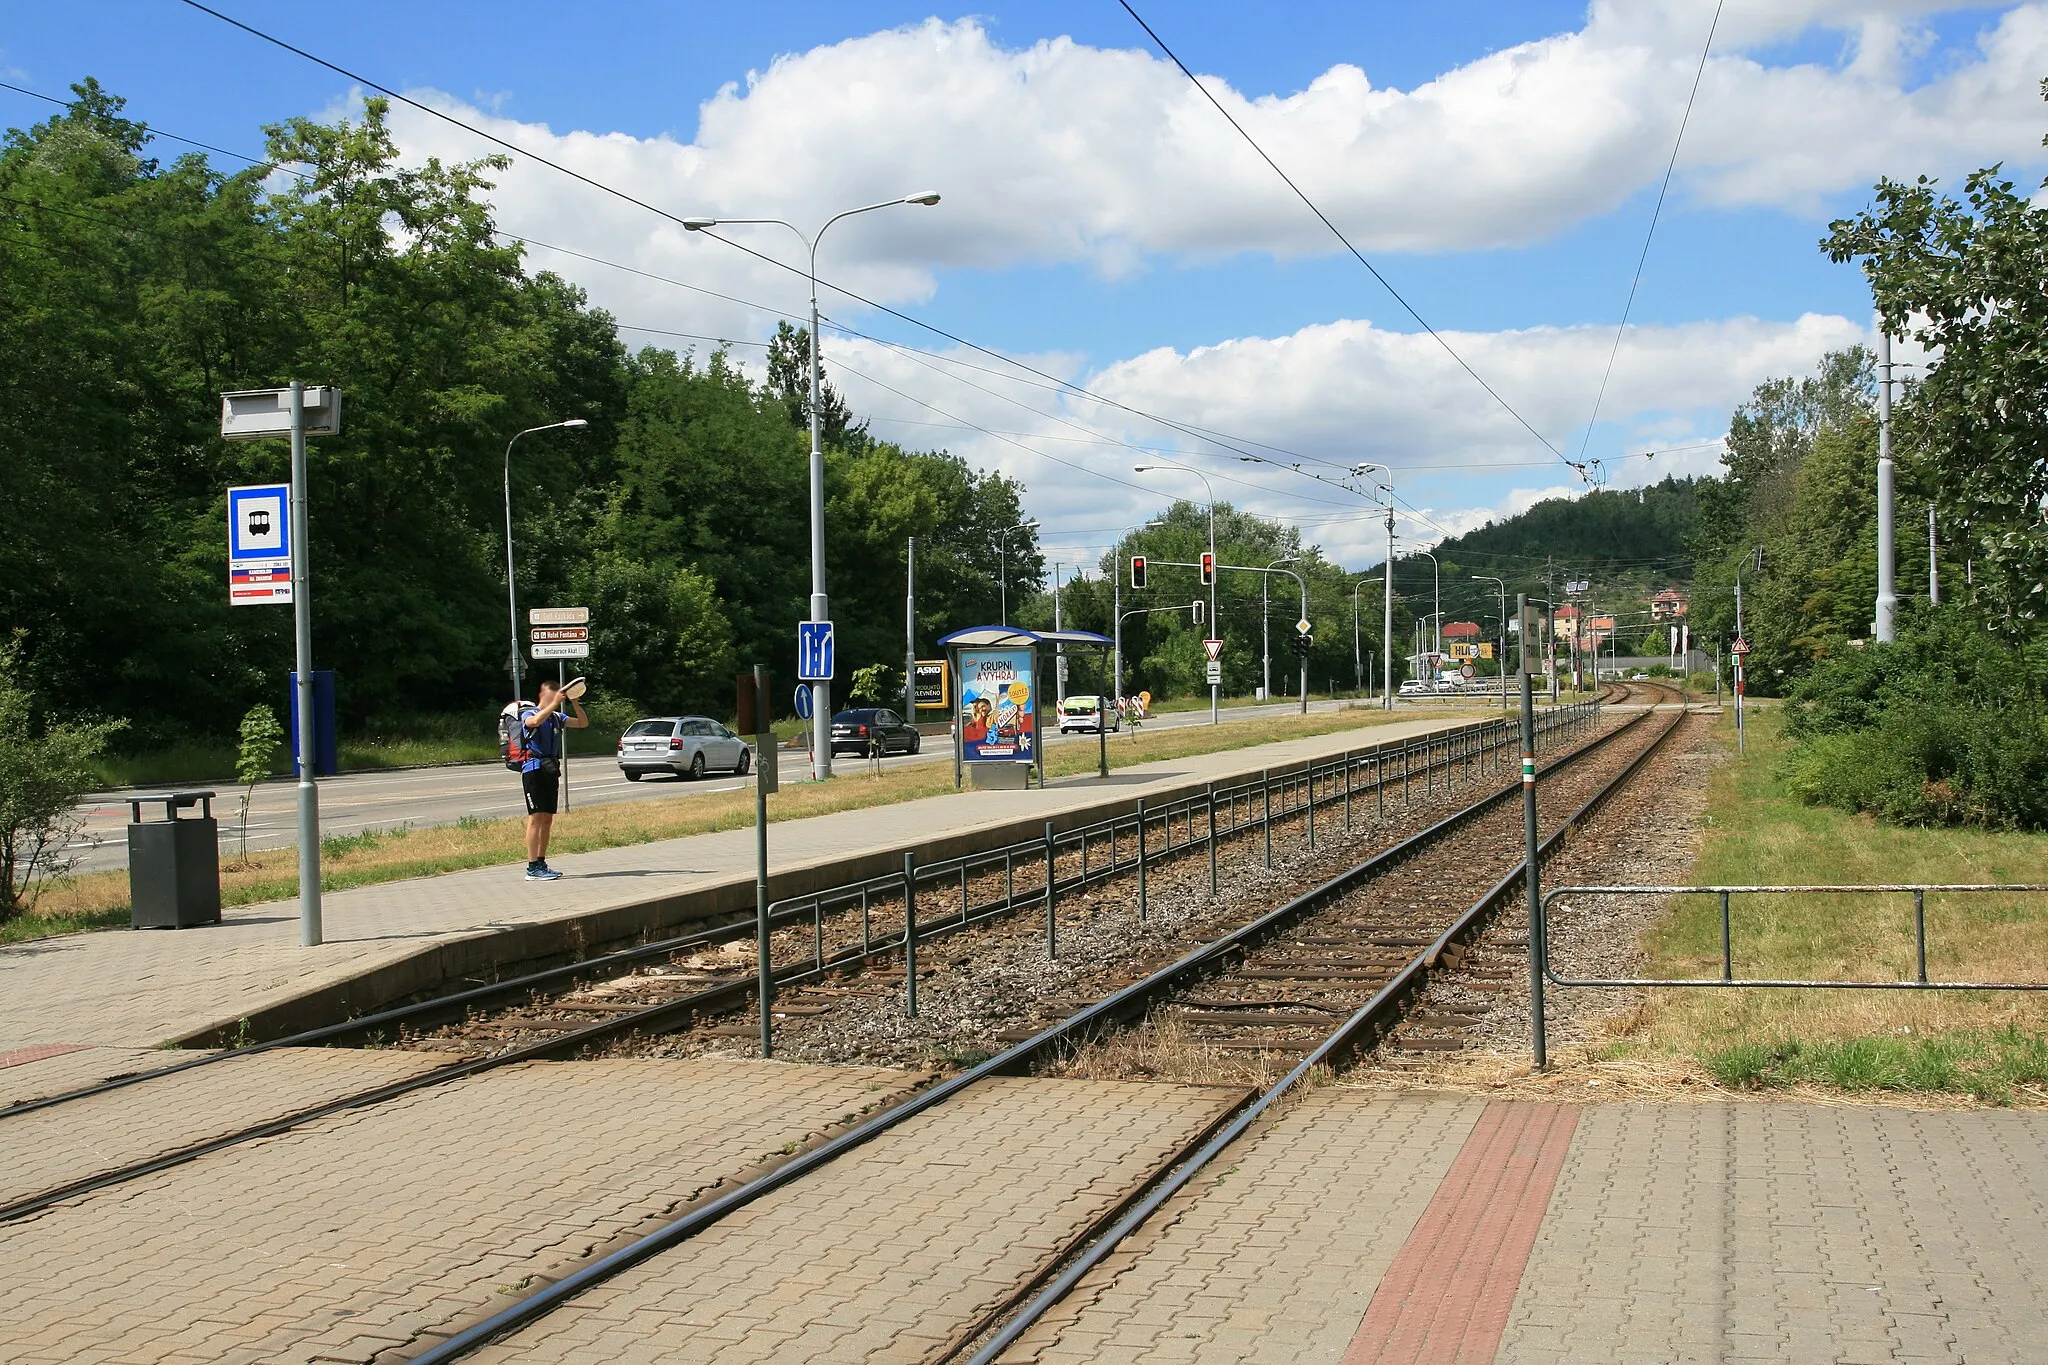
(1212,838)
(1727,943)
(1310,774)
(1142,905)
(866,939)
(1347,789)
(910,935)
(1266,801)
(1052,942)
(1920,934)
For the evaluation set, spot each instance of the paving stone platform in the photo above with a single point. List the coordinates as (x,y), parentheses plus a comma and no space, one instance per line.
(352,1235)
(1365,1229)
(143,988)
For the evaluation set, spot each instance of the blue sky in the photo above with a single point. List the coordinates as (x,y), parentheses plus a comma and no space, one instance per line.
(1497,161)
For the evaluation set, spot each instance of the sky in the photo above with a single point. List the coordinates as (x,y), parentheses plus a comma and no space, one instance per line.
(1496,163)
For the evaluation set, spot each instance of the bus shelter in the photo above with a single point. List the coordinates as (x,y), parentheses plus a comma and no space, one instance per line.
(997,713)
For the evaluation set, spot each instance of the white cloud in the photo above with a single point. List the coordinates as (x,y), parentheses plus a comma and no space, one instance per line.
(1062,152)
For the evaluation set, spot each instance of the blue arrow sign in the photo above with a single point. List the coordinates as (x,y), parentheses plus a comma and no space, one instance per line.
(814,651)
(803,702)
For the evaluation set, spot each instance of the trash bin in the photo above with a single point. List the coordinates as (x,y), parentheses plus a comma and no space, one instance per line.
(173,864)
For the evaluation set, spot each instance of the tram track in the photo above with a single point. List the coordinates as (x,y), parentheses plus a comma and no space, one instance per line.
(1061,1039)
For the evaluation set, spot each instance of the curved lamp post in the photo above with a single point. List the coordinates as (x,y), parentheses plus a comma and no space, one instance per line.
(1387,610)
(511,601)
(821,729)
(1003,571)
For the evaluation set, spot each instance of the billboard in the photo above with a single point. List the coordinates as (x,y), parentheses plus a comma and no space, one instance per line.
(998,706)
(930,687)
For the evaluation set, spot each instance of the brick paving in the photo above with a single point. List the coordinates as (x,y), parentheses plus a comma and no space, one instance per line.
(349,1236)
(135,988)
(33,1073)
(1784,1232)
(892,1252)
(54,1147)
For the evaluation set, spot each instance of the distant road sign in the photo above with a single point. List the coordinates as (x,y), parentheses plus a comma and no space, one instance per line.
(1302,626)
(562,649)
(814,651)
(556,634)
(1215,671)
(803,702)
(1215,648)
(1741,646)
(1468,671)
(558,616)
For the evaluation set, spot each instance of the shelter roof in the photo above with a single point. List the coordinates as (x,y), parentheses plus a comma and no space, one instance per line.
(1017,637)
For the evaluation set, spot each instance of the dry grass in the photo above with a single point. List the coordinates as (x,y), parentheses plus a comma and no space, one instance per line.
(98,900)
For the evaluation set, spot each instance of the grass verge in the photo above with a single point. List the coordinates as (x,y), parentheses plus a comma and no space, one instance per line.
(100,900)
(1990,1045)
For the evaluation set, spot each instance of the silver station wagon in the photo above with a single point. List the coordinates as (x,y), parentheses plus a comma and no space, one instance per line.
(688,746)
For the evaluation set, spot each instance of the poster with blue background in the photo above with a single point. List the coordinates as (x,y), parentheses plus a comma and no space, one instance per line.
(998,710)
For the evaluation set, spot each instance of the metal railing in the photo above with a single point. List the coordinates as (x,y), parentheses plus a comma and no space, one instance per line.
(895,909)
(1920,980)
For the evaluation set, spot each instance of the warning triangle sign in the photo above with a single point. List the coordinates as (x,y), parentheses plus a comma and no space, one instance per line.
(1215,648)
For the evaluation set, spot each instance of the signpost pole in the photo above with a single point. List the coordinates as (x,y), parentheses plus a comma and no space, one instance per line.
(561,681)
(302,628)
(764,971)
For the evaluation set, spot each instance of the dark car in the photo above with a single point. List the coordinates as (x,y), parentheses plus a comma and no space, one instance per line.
(872,731)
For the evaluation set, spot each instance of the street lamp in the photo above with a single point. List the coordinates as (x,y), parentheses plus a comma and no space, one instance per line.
(821,692)
(511,601)
(1387,611)
(1003,572)
(1265,633)
(1215,689)
(1357,654)
(1502,662)
(1437,570)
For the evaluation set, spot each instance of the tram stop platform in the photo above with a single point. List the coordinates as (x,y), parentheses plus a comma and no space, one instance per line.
(1376,1228)
(248,978)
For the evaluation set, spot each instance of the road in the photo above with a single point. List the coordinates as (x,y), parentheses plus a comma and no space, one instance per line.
(419,797)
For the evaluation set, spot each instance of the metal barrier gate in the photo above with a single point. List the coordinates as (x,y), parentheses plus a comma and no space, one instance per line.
(1919,892)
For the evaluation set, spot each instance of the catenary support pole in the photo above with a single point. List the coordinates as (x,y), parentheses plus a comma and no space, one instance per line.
(1886,625)
(910,632)
(310,935)
(764,973)
(1531,873)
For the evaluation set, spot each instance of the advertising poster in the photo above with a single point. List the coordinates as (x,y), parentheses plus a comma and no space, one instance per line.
(998,709)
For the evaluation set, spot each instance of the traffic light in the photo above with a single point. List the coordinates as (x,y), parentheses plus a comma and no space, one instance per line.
(1137,571)
(1208,568)
(1303,644)
(1198,606)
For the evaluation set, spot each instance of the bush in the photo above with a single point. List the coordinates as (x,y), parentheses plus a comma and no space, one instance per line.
(44,772)
(1940,728)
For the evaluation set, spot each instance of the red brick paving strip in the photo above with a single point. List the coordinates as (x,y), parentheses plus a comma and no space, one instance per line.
(22,1055)
(1445,1299)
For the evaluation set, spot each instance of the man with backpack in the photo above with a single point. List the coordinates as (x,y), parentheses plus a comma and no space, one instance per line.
(540,771)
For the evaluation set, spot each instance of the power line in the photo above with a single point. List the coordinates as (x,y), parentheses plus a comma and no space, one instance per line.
(1335,231)
(1655,213)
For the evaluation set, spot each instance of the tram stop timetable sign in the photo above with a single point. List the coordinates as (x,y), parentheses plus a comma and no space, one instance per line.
(259,544)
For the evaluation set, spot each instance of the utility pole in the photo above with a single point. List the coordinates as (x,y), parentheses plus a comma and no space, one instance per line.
(910,633)
(1886,626)
(1933,562)
(1387,619)
(1059,651)
(310,932)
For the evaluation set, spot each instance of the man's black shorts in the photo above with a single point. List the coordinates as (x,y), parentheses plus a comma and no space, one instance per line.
(543,790)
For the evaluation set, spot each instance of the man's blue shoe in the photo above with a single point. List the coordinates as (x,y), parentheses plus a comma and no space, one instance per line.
(541,872)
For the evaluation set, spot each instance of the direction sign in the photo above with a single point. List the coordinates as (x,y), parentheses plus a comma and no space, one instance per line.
(259,544)
(561,649)
(1215,648)
(558,616)
(803,702)
(1215,672)
(814,651)
(544,634)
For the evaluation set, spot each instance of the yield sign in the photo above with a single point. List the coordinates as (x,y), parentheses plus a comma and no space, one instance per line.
(1215,648)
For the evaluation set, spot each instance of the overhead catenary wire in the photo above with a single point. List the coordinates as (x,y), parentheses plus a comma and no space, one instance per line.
(1338,233)
(1663,189)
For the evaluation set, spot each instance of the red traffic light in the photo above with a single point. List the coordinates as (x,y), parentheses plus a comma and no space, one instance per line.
(1137,571)
(1208,568)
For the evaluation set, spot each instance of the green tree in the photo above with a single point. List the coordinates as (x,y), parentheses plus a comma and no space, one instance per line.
(657,634)
(262,744)
(1963,277)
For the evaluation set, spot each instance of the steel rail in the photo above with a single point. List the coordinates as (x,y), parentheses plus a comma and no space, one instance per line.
(1376,1016)
(1121,1005)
